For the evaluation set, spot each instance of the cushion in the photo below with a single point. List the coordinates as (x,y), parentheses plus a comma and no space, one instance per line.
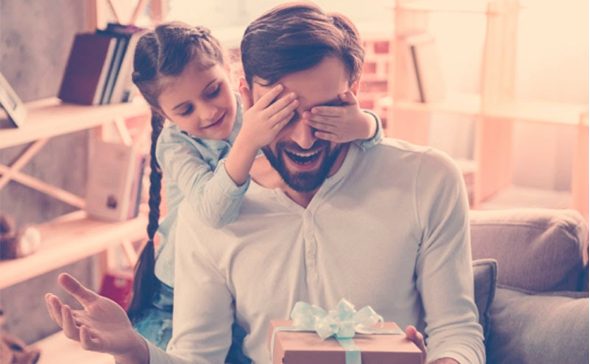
(536,249)
(538,328)
(484,277)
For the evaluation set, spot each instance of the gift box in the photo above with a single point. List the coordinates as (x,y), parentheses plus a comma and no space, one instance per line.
(305,347)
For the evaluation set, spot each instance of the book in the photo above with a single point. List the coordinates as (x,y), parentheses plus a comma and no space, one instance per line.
(136,190)
(115,64)
(111,170)
(87,68)
(426,67)
(123,83)
(406,80)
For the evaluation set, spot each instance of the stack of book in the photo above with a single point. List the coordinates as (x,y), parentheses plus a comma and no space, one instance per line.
(100,65)
(114,188)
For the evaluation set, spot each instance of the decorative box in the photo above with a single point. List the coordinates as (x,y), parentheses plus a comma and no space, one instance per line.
(340,336)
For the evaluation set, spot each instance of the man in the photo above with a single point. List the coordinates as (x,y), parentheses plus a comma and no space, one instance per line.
(321,221)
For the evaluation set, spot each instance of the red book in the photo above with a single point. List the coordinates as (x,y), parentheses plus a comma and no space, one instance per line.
(117,285)
(87,68)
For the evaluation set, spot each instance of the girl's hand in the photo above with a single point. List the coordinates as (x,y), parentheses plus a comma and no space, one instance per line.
(264,119)
(341,124)
(101,325)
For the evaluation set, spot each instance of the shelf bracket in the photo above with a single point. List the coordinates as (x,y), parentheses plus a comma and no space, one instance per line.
(13,173)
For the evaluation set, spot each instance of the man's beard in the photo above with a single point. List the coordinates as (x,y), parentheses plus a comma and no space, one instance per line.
(303,181)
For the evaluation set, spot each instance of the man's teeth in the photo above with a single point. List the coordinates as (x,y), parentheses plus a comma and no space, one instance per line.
(305,155)
(303,158)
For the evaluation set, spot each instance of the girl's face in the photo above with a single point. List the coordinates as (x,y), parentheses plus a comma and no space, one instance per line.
(200,101)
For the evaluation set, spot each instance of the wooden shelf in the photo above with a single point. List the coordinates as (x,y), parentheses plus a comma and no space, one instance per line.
(545,112)
(462,104)
(515,196)
(467,166)
(69,239)
(50,117)
(58,349)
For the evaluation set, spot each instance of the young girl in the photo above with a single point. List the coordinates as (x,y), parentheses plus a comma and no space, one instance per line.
(206,151)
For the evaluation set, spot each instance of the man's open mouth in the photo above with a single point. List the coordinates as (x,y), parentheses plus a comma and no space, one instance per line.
(303,158)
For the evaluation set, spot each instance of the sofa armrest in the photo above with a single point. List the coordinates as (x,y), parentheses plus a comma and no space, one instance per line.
(536,249)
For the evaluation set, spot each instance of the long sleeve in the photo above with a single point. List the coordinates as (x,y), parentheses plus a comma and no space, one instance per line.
(203,310)
(443,266)
(213,194)
(376,138)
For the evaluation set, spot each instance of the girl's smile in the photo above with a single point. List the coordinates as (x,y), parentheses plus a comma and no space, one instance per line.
(200,101)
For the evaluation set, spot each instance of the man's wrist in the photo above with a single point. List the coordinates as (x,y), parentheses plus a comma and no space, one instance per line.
(138,352)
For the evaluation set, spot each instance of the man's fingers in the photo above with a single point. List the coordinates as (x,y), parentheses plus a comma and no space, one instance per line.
(54,307)
(76,289)
(348,98)
(416,337)
(268,97)
(69,326)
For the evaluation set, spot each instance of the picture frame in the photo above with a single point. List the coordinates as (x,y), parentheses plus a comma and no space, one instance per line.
(11,104)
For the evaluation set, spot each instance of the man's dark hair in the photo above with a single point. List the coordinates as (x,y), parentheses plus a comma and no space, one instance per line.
(296,37)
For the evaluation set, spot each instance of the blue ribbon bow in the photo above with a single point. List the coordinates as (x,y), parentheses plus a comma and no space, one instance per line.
(342,322)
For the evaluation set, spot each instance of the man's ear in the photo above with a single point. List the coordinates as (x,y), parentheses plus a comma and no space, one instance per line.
(245,94)
(355,87)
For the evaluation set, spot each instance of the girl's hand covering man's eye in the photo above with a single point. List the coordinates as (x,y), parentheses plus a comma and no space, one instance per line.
(341,124)
(267,116)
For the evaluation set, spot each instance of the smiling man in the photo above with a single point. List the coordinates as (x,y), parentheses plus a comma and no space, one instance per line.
(321,221)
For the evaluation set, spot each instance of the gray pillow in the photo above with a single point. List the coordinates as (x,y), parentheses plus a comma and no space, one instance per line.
(538,328)
(484,285)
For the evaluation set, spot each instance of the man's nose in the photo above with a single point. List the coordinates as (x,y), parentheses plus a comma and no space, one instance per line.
(302,134)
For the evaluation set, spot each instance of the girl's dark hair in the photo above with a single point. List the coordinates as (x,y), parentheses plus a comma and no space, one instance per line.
(161,53)
(296,37)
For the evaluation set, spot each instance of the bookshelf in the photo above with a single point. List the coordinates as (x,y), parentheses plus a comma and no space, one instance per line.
(494,108)
(68,239)
(50,117)
(74,236)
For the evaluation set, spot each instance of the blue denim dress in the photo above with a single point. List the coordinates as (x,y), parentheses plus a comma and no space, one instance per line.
(155,324)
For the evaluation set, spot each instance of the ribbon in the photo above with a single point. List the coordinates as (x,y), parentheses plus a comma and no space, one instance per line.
(342,322)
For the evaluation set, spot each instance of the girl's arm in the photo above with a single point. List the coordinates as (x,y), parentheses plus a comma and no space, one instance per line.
(216,194)
(214,197)
(346,123)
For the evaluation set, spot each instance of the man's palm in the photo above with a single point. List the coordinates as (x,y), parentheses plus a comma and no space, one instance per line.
(101,325)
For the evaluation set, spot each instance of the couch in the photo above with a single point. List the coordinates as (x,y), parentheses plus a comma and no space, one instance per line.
(537,310)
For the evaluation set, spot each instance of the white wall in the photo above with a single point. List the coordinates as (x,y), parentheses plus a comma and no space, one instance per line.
(552,65)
